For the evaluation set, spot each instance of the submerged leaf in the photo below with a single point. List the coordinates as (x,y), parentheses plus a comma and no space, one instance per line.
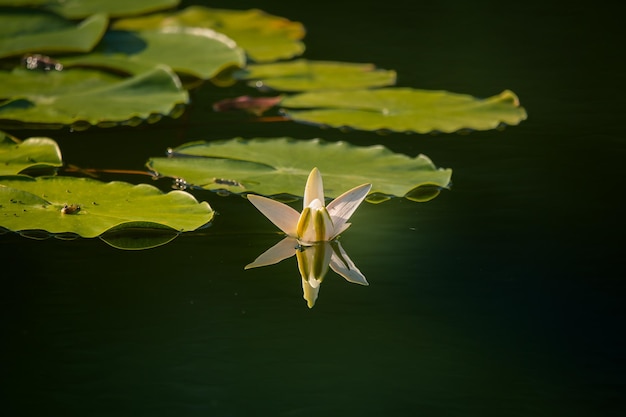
(281,165)
(88,97)
(263,36)
(404,110)
(89,208)
(28,30)
(305,75)
(138,238)
(16,157)
(254,105)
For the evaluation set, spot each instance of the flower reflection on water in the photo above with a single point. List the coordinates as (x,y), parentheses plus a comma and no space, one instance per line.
(313,263)
(312,234)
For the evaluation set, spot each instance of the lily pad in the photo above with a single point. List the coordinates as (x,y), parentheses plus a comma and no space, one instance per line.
(76,9)
(16,157)
(404,110)
(198,52)
(88,97)
(305,75)
(280,166)
(23,3)
(28,30)
(89,207)
(263,36)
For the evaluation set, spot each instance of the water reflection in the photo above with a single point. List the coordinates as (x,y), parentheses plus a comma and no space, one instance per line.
(313,262)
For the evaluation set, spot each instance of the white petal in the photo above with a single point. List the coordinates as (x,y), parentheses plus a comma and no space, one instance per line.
(283,216)
(342,229)
(342,207)
(284,249)
(341,263)
(314,188)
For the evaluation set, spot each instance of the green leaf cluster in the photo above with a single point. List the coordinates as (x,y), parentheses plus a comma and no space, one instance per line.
(109,63)
(124,215)
(85,73)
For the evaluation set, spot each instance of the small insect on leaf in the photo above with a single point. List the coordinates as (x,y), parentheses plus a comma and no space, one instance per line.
(70,209)
(225,181)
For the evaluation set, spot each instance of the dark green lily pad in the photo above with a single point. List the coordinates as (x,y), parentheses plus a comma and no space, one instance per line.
(28,30)
(305,75)
(33,153)
(88,208)
(404,110)
(281,166)
(264,37)
(81,97)
(76,9)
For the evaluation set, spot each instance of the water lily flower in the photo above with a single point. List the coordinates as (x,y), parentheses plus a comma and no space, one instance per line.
(311,234)
(317,222)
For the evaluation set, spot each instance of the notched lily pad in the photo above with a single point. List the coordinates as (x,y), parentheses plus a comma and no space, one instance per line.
(81,97)
(27,30)
(88,208)
(280,166)
(305,75)
(33,153)
(404,110)
(264,37)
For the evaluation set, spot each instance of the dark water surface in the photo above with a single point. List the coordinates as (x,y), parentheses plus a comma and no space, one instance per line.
(501,297)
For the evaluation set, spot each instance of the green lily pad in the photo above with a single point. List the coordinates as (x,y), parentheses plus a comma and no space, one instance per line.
(76,9)
(23,3)
(305,75)
(28,30)
(81,97)
(89,208)
(202,53)
(16,157)
(279,166)
(404,110)
(264,37)
(22,83)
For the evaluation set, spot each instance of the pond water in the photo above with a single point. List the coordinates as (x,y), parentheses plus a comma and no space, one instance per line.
(501,297)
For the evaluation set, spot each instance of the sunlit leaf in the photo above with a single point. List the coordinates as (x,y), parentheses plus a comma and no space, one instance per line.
(281,166)
(89,208)
(16,157)
(28,30)
(404,110)
(305,75)
(81,97)
(199,52)
(75,9)
(263,36)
